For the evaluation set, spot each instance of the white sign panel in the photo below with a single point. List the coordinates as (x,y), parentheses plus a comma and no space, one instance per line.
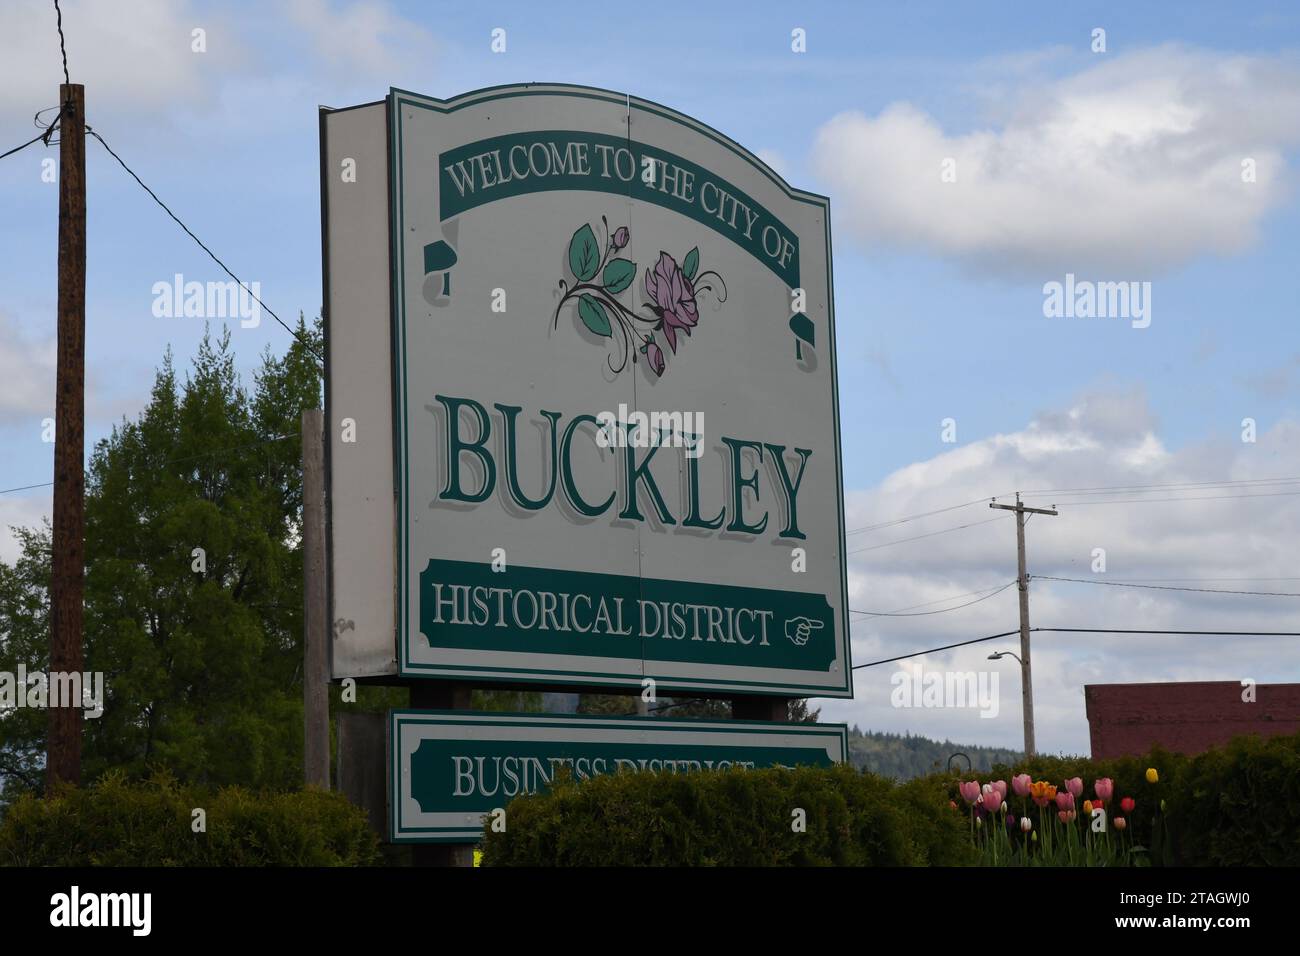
(615,424)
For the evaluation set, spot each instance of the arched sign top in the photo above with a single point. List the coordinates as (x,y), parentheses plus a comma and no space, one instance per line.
(614,407)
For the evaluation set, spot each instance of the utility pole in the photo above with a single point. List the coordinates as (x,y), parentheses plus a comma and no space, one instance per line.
(1026,681)
(68,560)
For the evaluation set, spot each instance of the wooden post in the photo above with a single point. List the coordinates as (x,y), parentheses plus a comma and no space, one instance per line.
(315,674)
(68,561)
(441,695)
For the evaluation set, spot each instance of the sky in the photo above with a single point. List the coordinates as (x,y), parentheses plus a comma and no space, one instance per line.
(972,155)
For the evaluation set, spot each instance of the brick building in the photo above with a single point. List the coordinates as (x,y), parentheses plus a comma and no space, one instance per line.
(1129,719)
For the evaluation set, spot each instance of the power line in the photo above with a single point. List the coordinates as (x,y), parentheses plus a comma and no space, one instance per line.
(212,255)
(918,537)
(43,135)
(1166,587)
(174,461)
(1102,489)
(945,610)
(904,520)
(62,48)
(1112,630)
(902,657)
(1143,501)
(1081,630)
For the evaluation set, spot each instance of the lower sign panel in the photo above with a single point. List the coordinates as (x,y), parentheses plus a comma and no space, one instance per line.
(450,769)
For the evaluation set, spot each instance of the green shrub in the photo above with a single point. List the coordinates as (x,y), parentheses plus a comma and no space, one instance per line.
(729,818)
(119,823)
(1238,806)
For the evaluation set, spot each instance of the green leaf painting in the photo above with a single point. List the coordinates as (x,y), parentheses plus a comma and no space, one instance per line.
(584,254)
(618,275)
(594,316)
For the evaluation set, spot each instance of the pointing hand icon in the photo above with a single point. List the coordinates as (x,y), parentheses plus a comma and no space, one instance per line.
(799,629)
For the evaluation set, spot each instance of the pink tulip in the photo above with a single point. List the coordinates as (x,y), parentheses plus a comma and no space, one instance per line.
(1020,784)
(1001,787)
(1105,788)
(1063,815)
(1120,823)
(970,792)
(1075,786)
(1064,800)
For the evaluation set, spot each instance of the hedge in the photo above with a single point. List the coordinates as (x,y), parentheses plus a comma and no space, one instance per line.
(119,823)
(730,818)
(1234,806)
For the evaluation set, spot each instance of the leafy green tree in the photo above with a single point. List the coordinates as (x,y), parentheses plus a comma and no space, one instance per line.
(193,581)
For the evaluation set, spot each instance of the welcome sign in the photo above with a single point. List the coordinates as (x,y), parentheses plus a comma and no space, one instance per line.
(448,769)
(615,438)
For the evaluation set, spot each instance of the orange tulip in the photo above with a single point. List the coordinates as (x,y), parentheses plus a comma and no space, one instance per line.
(1042,792)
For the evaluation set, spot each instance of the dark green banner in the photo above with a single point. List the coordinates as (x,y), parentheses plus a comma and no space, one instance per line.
(520,163)
(544,611)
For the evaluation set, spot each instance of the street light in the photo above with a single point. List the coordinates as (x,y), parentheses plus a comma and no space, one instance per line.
(1029,719)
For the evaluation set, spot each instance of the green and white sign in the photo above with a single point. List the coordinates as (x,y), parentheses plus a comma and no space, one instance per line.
(615,447)
(448,769)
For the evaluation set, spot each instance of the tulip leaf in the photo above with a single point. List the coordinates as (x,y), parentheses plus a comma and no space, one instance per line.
(584,254)
(594,316)
(618,275)
(691,263)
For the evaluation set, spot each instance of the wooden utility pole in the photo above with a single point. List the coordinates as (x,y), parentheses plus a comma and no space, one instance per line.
(1026,681)
(315,672)
(67,579)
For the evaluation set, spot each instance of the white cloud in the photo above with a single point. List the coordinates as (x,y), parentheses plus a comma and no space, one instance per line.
(20,511)
(1107,438)
(1131,166)
(132,55)
(26,375)
(365,37)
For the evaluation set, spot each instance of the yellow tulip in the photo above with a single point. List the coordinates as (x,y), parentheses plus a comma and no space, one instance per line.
(1087,808)
(1152,775)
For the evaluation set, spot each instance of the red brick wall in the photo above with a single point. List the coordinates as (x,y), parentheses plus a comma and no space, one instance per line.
(1128,719)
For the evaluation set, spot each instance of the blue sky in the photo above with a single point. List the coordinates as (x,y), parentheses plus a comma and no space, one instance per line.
(1110,165)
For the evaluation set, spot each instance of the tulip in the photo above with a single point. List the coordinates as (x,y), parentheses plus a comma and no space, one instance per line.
(1075,786)
(1026,824)
(1001,787)
(1120,823)
(1087,807)
(953,804)
(1042,792)
(970,792)
(1153,775)
(1105,788)
(1127,804)
(1012,822)
(1020,784)
(1004,806)
(979,821)
(1064,800)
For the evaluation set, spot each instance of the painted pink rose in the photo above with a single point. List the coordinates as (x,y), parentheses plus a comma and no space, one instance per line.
(672,298)
(655,356)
